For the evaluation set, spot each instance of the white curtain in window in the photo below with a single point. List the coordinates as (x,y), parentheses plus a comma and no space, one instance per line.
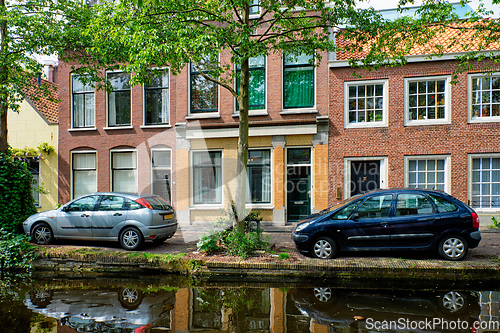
(85,182)
(112,109)
(78,110)
(125,181)
(84,161)
(125,160)
(89,110)
(164,106)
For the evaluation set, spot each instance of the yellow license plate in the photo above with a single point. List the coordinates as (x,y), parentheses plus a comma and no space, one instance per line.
(167,217)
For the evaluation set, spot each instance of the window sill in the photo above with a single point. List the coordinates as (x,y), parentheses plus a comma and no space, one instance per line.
(298,111)
(253,114)
(82,129)
(366,125)
(155,126)
(118,128)
(259,206)
(206,206)
(484,120)
(427,122)
(214,115)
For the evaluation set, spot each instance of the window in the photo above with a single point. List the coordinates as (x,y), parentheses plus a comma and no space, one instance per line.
(254,7)
(366,104)
(427,101)
(413,204)
(345,212)
(204,93)
(112,202)
(84,173)
(83,98)
(124,171)
(119,100)
(34,168)
(485,182)
(430,173)
(156,99)
(298,81)
(83,204)
(375,207)
(207,174)
(161,167)
(443,205)
(259,176)
(257,83)
(484,97)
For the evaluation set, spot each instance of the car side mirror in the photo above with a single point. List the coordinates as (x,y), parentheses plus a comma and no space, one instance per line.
(355,216)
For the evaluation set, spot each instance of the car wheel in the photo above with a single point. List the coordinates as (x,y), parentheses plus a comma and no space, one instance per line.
(131,239)
(322,294)
(324,248)
(42,234)
(453,302)
(130,298)
(453,248)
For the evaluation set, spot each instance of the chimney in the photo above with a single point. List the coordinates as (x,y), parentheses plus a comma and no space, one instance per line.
(50,73)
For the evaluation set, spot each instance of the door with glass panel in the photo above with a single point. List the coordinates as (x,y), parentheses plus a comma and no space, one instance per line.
(298,183)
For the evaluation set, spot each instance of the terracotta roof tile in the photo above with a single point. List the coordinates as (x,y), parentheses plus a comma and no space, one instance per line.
(455,38)
(47,106)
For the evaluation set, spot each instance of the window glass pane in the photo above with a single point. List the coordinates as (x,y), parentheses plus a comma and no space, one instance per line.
(302,59)
(126,160)
(84,204)
(119,81)
(375,207)
(80,86)
(161,158)
(158,80)
(299,87)
(111,202)
(413,204)
(84,174)
(84,161)
(207,177)
(259,176)
(299,156)
(442,204)
(345,212)
(204,94)
(125,181)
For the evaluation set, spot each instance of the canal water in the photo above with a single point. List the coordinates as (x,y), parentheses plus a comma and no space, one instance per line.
(153,304)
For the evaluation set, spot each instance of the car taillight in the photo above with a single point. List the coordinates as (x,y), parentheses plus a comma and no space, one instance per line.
(143,202)
(475,221)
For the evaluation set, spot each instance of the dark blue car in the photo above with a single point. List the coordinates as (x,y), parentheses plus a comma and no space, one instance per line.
(394,219)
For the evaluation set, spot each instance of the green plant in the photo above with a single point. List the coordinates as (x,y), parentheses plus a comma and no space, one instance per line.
(242,245)
(45,147)
(15,194)
(15,251)
(283,256)
(209,244)
(496,223)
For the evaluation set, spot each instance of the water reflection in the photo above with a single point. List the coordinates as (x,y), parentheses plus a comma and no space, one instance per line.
(156,307)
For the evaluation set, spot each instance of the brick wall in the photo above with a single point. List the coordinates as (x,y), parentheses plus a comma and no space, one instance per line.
(396,141)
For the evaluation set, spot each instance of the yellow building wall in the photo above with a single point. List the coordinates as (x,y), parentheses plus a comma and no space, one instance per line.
(28,129)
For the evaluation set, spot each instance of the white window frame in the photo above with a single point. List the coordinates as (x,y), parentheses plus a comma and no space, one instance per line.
(72,171)
(111,151)
(201,115)
(469,180)
(447,101)
(469,99)
(107,107)
(447,168)
(144,89)
(163,168)
(266,205)
(311,109)
(384,169)
(259,112)
(206,205)
(71,127)
(385,109)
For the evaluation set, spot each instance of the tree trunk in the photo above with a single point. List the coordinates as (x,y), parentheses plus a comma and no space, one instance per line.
(4,81)
(241,169)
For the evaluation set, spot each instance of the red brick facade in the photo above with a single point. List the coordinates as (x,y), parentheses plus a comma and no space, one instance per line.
(456,140)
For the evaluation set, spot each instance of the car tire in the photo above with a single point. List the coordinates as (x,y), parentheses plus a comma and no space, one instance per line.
(42,234)
(453,303)
(324,248)
(130,298)
(131,239)
(453,248)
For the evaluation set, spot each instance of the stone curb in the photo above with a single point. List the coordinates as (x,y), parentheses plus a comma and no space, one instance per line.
(338,268)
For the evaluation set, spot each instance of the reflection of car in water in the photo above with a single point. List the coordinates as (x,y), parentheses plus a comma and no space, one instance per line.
(356,309)
(103,310)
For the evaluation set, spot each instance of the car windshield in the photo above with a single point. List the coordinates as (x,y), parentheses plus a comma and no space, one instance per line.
(340,204)
(158,203)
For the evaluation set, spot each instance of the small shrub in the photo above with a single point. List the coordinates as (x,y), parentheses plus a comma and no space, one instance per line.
(15,251)
(283,256)
(209,244)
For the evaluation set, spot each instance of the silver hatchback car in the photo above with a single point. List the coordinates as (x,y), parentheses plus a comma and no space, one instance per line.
(127,218)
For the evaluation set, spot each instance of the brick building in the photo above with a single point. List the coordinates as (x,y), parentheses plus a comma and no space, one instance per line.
(183,128)
(412,126)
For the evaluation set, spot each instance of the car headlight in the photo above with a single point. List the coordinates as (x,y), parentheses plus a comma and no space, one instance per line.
(302,226)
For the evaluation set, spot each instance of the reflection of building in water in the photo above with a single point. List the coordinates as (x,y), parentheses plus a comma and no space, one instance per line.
(238,309)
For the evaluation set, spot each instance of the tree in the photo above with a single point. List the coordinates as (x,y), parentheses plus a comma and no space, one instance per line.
(142,34)
(28,30)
